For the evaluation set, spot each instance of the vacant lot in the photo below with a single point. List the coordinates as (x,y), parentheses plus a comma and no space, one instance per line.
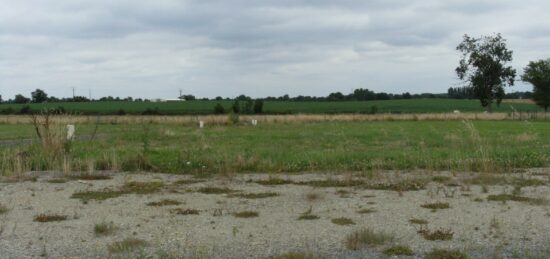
(489,146)
(261,216)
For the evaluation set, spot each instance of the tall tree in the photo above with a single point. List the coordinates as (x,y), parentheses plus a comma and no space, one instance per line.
(484,66)
(39,96)
(538,74)
(21,99)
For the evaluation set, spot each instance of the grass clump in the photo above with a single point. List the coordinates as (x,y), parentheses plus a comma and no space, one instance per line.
(142,187)
(439,234)
(366,211)
(446,254)
(261,195)
(308,215)
(104,228)
(215,190)
(49,217)
(342,221)
(246,214)
(165,202)
(333,183)
(126,245)
(436,205)
(180,211)
(3,209)
(295,255)
(511,197)
(366,237)
(418,221)
(399,250)
(96,195)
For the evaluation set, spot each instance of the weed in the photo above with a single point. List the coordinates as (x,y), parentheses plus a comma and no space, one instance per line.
(104,228)
(511,197)
(215,190)
(446,254)
(165,202)
(180,211)
(366,211)
(436,205)
(399,250)
(418,221)
(441,179)
(246,214)
(261,195)
(49,217)
(439,234)
(342,221)
(366,236)
(126,245)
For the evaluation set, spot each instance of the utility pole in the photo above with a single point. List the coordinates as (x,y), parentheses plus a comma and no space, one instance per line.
(90,93)
(73,92)
(181,93)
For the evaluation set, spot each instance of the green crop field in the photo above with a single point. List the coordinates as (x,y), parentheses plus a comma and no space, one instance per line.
(297,147)
(278,107)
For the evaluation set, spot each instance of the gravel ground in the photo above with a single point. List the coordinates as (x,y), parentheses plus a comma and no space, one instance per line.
(481,228)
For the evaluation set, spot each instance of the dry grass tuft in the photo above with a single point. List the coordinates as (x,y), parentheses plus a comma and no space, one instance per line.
(366,211)
(180,211)
(418,221)
(246,214)
(104,228)
(439,234)
(436,205)
(188,181)
(96,195)
(446,254)
(57,180)
(261,195)
(512,197)
(3,209)
(142,187)
(399,250)
(216,190)
(342,221)
(90,177)
(165,202)
(49,217)
(274,181)
(366,237)
(126,245)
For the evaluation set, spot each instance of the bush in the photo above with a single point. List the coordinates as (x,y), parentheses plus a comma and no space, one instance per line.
(258,106)
(218,109)
(25,110)
(233,118)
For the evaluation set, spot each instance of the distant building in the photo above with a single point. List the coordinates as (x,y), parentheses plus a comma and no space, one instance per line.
(160,100)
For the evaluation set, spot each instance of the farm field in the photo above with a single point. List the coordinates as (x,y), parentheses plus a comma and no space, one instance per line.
(281,107)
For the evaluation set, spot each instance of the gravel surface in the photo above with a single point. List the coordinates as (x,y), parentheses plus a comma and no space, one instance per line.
(480,227)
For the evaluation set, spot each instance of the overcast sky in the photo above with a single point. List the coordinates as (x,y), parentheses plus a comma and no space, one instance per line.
(254,47)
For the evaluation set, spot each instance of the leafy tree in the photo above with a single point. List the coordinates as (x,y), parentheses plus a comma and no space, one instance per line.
(248,106)
(218,109)
(258,106)
(236,108)
(21,99)
(538,74)
(39,96)
(188,97)
(484,67)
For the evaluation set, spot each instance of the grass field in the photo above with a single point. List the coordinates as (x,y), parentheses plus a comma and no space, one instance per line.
(328,146)
(280,107)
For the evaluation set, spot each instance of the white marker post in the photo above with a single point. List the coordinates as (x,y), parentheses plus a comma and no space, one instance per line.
(70,132)
(254,122)
(201,124)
